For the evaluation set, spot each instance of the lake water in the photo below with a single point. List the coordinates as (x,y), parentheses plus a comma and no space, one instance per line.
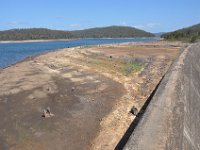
(11,53)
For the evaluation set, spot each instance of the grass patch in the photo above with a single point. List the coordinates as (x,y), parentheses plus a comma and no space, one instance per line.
(131,67)
(117,65)
(113,65)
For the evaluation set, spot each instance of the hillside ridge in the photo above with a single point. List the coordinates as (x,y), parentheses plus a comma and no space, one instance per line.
(111,32)
(100,32)
(191,33)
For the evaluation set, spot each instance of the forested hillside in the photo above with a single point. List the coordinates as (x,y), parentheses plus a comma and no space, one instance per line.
(33,34)
(111,32)
(42,33)
(191,33)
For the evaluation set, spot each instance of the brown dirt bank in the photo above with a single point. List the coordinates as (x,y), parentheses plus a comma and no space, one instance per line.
(89,92)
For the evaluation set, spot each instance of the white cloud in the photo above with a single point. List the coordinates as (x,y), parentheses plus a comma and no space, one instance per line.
(16,23)
(75,25)
(152,25)
(12,23)
(147,26)
(139,26)
(124,23)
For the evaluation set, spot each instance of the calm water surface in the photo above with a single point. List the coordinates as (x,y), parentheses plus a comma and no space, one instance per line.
(11,53)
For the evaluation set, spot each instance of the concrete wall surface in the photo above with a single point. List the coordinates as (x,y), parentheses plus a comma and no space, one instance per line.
(172,119)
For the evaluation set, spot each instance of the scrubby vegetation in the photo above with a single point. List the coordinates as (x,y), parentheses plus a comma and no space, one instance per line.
(111,32)
(131,67)
(33,34)
(124,66)
(187,34)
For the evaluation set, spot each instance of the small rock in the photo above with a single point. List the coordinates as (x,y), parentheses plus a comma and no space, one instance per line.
(73,88)
(47,113)
(134,111)
(48,110)
(48,89)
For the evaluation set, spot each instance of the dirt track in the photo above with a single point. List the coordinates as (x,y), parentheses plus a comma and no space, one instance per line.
(86,89)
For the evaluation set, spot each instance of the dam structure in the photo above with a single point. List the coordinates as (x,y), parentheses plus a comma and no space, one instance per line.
(172,118)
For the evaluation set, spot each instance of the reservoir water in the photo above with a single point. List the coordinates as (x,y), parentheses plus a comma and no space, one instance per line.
(11,53)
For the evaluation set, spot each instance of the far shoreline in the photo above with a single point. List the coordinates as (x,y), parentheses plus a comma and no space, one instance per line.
(60,49)
(42,40)
(52,40)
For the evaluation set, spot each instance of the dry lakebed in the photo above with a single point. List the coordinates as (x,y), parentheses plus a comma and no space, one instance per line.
(89,90)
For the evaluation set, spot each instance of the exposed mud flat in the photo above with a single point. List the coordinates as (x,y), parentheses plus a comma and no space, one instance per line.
(89,89)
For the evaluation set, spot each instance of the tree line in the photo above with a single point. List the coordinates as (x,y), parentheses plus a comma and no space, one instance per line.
(188,34)
(43,33)
(33,34)
(111,32)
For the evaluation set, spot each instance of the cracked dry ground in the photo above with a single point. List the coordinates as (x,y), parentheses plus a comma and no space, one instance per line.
(95,114)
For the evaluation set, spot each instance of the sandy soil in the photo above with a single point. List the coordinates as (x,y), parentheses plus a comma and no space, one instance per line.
(87,90)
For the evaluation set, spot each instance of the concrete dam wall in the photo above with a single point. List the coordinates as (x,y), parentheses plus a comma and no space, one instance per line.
(172,119)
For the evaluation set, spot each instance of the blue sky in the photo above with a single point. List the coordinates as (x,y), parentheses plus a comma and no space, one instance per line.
(150,15)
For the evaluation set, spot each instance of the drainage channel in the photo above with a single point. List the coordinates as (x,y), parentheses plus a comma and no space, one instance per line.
(137,119)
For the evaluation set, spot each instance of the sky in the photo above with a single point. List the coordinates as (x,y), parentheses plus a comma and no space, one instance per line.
(150,15)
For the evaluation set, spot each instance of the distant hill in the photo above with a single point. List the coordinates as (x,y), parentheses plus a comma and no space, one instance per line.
(43,33)
(111,32)
(159,34)
(33,34)
(191,33)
